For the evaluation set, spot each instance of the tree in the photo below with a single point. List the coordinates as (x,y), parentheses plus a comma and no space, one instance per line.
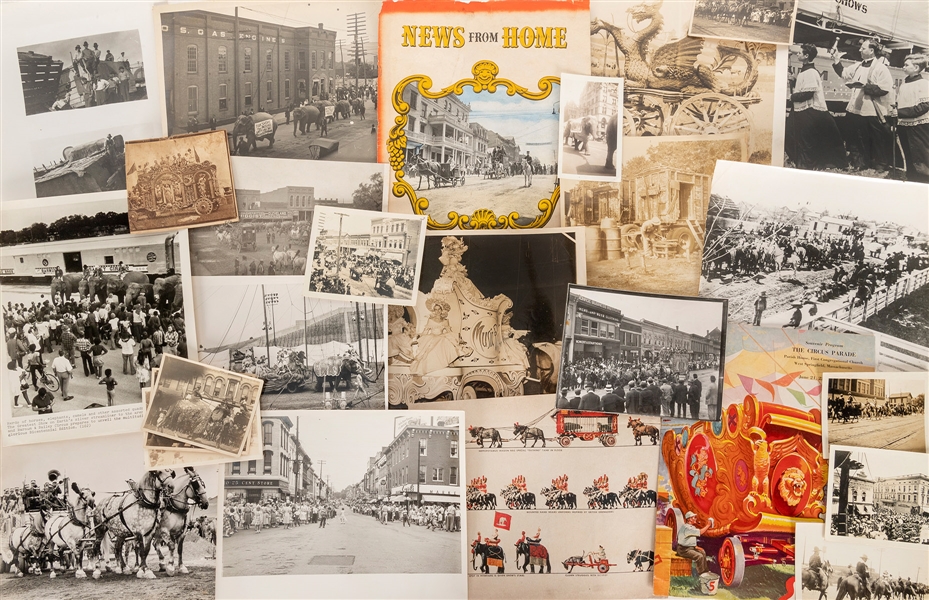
(370,196)
(693,157)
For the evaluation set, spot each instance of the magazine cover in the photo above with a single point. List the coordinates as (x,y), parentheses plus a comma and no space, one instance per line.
(472,96)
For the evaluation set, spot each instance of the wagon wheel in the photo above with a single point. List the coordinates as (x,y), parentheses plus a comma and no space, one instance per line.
(603,567)
(314,152)
(203,206)
(461,180)
(608,440)
(710,114)
(564,441)
(732,561)
(671,520)
(643,120)
(631,237)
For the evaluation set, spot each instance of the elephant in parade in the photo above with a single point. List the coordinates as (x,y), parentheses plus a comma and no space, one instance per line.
(135,290)
(119,285)
(358,107)
(335,369)
(165,290)
(611,140)
(343,109)
(67,284)
(304,116)
(96,288)
(535,555)
(491,556)
(244,135)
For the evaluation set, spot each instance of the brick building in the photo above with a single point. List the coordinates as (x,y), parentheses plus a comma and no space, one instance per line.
(421,464)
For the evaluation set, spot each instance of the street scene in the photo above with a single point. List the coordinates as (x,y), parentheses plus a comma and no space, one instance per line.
(765,21)
(590,108)
(370,494)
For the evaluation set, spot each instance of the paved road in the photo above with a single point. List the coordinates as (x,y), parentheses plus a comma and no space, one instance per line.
(209,256)
(499,195)
(892,433)
(361,545)
(586,162)
(365,287)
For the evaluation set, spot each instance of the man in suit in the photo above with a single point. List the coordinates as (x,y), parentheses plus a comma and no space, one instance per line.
(679,396)
(655,407)
(633,398)
(693,397)
(590,400)
(611,402)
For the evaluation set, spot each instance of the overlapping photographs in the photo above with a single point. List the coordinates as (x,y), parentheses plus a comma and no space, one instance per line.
(371,255)
(476,332)
(203,406)
(180,182)
(276,201)
(876,410)
(877,497)
(643,354)
(769,21)
(827,257)
(589,120)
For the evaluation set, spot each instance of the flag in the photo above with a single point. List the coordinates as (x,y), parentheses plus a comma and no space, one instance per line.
(502,520)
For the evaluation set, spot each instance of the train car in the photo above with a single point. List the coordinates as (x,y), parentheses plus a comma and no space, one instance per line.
(36,263)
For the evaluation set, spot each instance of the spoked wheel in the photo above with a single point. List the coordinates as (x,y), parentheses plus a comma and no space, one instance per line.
(564,441)
(608,440)
(203,206)
(50,382)
(710,114)
(643,120)
(732,562)
(603,567)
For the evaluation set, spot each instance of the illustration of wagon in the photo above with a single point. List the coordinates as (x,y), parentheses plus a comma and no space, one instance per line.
(602,565)
(586,425)
(757,473)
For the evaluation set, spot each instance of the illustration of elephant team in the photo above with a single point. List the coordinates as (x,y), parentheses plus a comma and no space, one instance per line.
(516,495)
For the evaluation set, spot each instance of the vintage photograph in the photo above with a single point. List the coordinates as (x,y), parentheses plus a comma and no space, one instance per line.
(362,494)
(590,111)
(478,150)
(311,353)
(645,354)
(89,550)
(646,233)
(858,87)
(82,72)
(365,254)
(179,182)
(251,69)
(480,333)
(680,85)
(831,568)
(869,410)
(276,204)
(204,406)
(814,250)
(878,497)
(86,319)
(763,21)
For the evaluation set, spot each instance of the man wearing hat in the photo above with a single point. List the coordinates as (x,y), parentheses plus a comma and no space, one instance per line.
(816,564)
(679,395)
(654,406)
(611,402)
(687,535)
(574,402)
(590,400)
(761,303)
(693,397)
(564,399)
(633,398)
(864,573)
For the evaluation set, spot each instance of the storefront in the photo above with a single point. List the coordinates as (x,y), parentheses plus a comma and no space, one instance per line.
(596,330)
(256,490)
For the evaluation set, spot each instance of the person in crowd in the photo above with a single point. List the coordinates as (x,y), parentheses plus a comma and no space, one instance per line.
(913,117)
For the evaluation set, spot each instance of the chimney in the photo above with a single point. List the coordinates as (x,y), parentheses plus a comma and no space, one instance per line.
(320,26)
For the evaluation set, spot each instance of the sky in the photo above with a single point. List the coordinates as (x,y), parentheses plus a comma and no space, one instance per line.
(46,152)
(915,386)
(690,316)
(23,213)
(329,179)
(676,17)
(868,199)
(115,42)
(885,463)
(530,122)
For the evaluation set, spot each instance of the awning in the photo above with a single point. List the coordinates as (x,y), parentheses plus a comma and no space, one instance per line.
(411,145)
(442,499)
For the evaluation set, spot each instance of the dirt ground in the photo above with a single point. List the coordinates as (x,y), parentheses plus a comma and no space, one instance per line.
(659,276)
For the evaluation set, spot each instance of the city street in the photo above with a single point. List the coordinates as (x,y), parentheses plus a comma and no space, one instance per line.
(893,433)
(502,196)
(210,256)
(361,545)
(365,286)
(309,399)
(586,163)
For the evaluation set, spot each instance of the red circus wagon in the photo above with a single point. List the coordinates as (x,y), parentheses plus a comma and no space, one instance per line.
(586,425)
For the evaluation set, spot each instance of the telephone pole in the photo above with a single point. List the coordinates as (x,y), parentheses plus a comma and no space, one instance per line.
(356,27)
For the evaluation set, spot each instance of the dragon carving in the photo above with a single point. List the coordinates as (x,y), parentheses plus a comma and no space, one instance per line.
(674,66)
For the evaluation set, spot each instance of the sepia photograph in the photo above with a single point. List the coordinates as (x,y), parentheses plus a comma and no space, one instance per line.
(878,497)
(51,487)
(642,354)
(829,568)
(857,88)
(83,72)
(312,353)
(815,250)
(358,253)
(276,201)
(204,406)
(483,333)
(180,182)
(869,410)
(590,111)
(283,80)
(645,234)
(761,21)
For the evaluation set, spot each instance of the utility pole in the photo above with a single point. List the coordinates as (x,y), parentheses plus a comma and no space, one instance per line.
(264,305)
(342,59)
(306,347)
(320,463)
(356,27)
(272,300)
(338,258)
(358,327)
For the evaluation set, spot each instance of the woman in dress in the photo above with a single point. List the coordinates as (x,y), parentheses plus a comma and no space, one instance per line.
(437,343)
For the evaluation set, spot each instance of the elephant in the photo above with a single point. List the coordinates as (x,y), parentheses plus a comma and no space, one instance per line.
(343,109)
(118,285)
(491,555)
(68,284)
(358,107)
(304,116)
(611,140)
(134,290)
(334,370)
(321,105)
(243,132)
(165,290)
(535,554)
(96,288)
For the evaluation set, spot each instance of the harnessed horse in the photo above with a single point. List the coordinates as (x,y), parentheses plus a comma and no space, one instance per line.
(188,489)
(67,530)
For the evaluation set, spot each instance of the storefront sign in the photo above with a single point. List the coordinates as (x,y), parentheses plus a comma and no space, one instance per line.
(594,313)
(252,482)
(265,214)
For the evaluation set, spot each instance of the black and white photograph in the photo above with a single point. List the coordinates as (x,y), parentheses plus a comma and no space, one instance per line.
(871,410)
(590,146)
(479,150)
(647,354)
(646,233)
(829,568)
(359,499)
(762,21)
(364,254)
(680,85)
(816,250)
(276,203)
(283,80)
(90,71)
(482,333)
(63,535)
(878,497)
(203,406)
(312,353)
(857,90)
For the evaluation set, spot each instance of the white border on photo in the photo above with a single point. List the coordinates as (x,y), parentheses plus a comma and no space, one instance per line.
(786,40)
(569,83)
(907,463)
(886,376)
(380,586)
(357,215)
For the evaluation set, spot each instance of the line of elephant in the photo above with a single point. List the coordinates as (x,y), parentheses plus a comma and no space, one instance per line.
(164,292)
(245,139)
